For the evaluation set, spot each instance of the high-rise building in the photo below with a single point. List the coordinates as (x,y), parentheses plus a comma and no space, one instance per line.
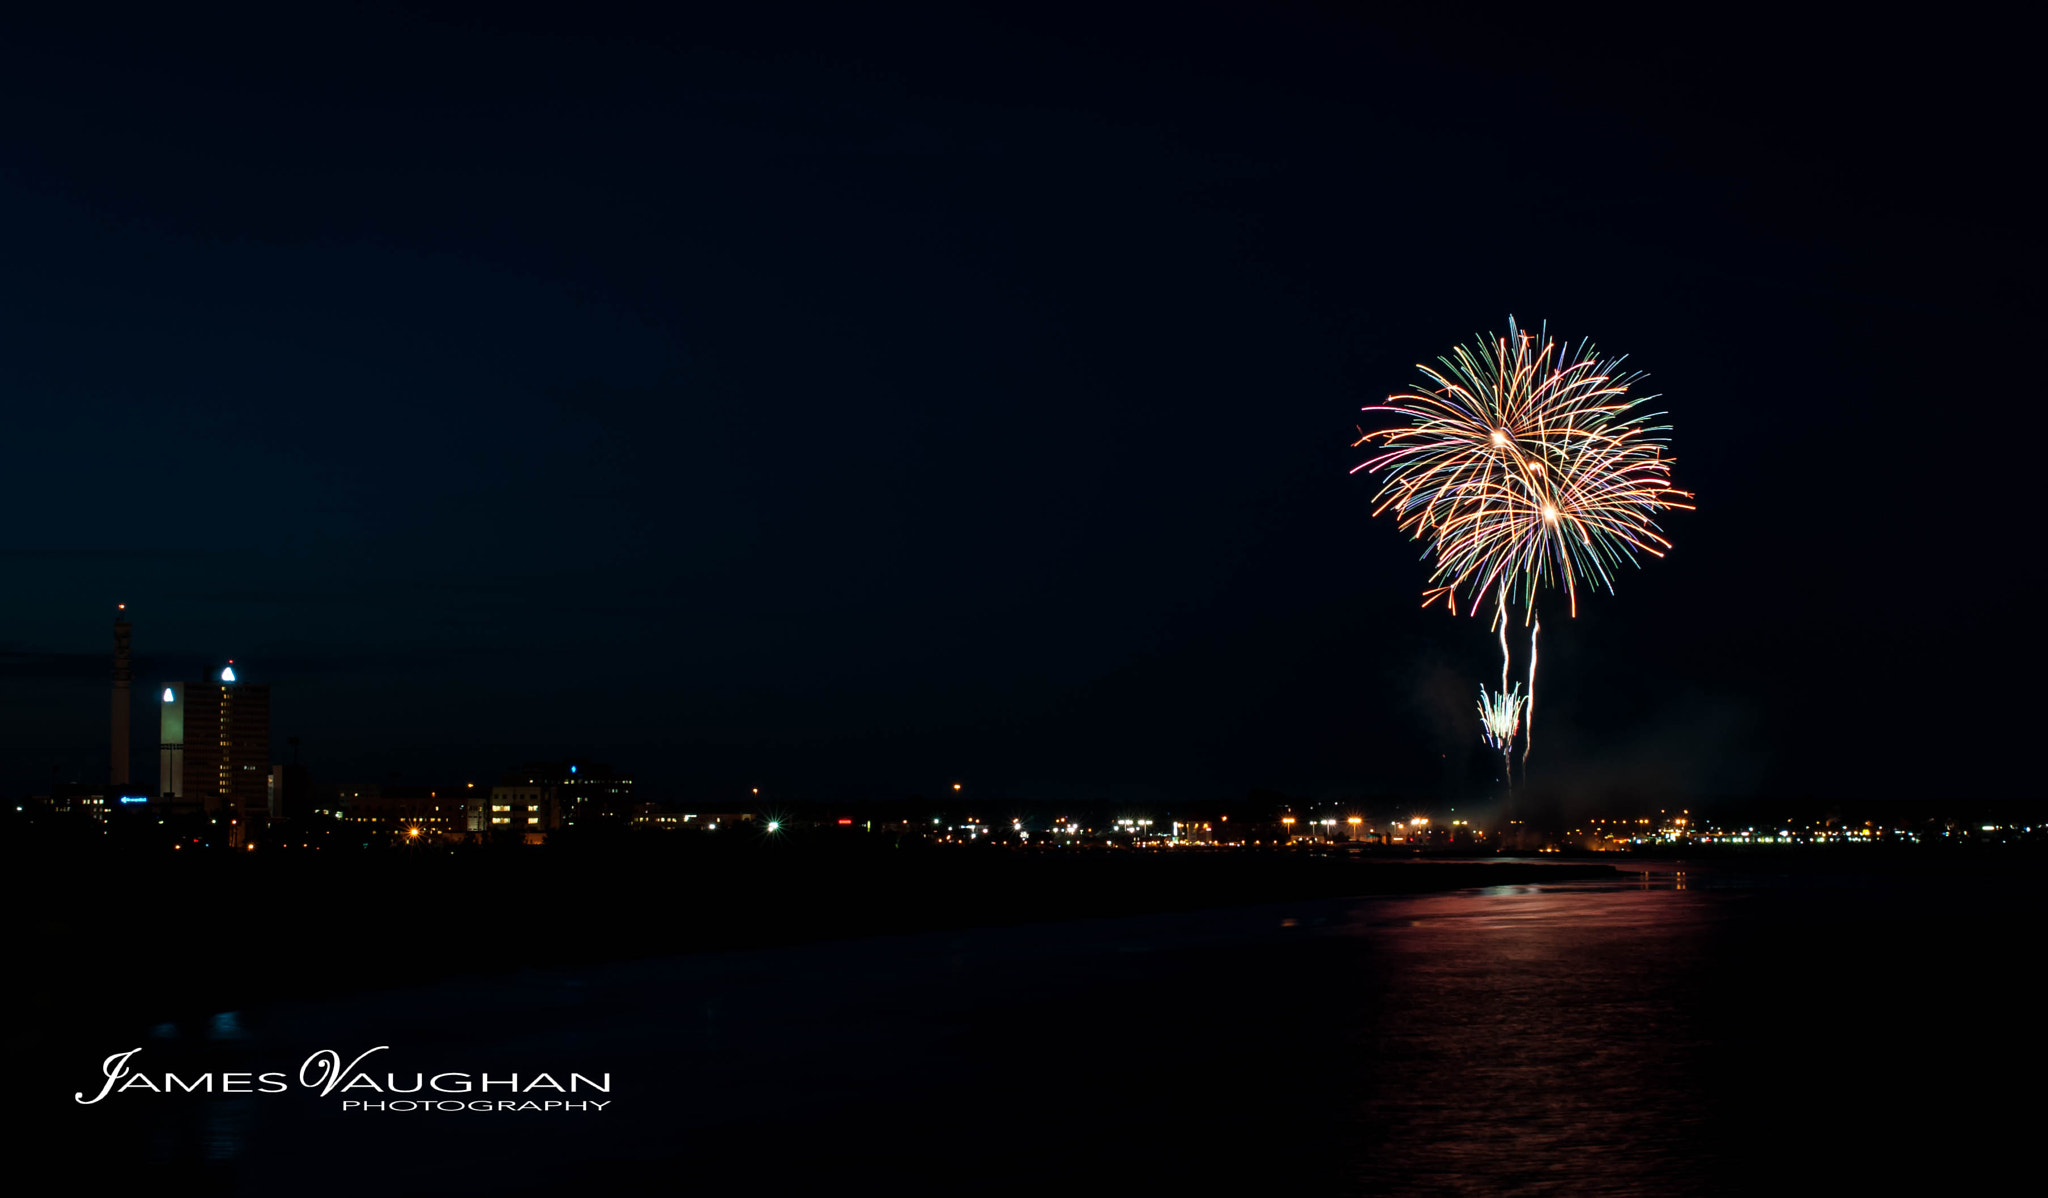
(117,765)
(215,752)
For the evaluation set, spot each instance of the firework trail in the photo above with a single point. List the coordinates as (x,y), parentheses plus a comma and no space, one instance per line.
(1524,463)
(1535,627)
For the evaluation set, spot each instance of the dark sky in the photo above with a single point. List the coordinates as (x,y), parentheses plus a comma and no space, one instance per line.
(849,404)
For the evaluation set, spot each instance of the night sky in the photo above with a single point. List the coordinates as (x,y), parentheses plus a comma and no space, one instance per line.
(848,405)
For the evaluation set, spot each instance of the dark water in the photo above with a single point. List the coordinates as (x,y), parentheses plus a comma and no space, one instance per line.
(1716,1031)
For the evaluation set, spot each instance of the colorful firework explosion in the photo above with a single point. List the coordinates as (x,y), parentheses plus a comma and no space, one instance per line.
(1524,463)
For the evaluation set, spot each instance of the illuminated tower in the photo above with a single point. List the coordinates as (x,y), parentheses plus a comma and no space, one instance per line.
(170,749)
(215,754)
(117,771)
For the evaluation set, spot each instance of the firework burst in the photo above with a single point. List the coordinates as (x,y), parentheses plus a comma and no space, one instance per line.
(1524,463)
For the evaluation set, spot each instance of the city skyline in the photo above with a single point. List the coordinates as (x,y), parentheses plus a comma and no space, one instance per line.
(84,773)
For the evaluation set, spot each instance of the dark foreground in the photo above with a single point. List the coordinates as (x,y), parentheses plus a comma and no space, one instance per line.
(1685,1031)
(217,931)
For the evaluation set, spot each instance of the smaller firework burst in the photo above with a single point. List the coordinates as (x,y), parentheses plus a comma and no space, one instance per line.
(1500,720)
(1500,715)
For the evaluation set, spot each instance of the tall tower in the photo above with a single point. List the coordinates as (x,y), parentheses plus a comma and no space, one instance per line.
(171,745)
(117,772)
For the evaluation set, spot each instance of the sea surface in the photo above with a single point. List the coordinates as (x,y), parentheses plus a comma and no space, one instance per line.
(1706,1029)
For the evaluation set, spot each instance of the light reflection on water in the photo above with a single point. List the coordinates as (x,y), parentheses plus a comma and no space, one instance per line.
(1583,1038)
(1523,1034)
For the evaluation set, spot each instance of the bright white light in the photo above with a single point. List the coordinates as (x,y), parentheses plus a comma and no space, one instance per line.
(169,697)
(775,825)
(227,674)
